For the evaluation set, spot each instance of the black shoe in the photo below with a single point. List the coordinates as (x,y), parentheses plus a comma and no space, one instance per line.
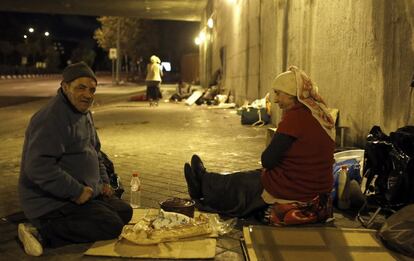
(198,167)
(193,185)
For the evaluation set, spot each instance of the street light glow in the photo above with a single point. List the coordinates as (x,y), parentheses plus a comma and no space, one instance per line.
(31,29)
(197,41)
(46,33)
(210,23)
(25,36)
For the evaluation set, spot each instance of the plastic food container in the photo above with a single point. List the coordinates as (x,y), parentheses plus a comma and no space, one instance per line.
(179,205)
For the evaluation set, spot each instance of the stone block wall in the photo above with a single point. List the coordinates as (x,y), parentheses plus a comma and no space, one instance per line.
(360,53)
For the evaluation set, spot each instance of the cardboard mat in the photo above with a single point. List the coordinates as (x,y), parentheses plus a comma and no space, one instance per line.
(194,249)
(318,243)
(191,248)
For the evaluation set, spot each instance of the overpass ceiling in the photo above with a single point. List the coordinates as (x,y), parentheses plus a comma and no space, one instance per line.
(182,10)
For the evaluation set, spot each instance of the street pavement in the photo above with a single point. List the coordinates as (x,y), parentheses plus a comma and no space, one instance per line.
(154,141)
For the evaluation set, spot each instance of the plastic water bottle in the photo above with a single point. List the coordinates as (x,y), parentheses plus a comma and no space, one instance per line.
(135,200)
(343,188)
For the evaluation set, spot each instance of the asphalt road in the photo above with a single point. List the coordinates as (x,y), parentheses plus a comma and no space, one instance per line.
(18,91)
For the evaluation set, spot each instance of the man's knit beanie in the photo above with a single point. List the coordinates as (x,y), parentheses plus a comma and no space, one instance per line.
(77,70)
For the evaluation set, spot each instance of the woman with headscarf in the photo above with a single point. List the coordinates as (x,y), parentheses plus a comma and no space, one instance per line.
(297,164)
(153,80)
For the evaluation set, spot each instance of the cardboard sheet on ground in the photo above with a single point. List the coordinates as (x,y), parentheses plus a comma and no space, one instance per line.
(194,97)
(190,248)
(318,243)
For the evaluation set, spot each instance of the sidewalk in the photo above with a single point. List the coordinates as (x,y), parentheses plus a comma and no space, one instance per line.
(156,142)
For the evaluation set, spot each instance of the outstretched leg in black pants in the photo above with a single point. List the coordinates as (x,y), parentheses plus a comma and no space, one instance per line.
(237,194)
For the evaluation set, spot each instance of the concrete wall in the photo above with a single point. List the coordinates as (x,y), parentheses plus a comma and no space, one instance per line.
(190,71)
(235,33)
(396,52)
(360,53)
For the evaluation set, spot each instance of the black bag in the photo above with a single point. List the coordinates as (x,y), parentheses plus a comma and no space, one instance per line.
(252,115)
(114,179)
(403,138)
(390,168)
(397,232)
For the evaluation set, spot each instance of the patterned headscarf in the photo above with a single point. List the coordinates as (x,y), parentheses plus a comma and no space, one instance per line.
(307,93)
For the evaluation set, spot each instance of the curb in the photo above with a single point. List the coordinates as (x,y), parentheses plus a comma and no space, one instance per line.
(26,76)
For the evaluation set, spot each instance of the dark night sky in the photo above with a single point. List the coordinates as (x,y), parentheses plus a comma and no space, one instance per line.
(176,37)
(68,30)
(61,27)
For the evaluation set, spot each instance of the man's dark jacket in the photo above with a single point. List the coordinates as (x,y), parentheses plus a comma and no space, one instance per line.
(60,157)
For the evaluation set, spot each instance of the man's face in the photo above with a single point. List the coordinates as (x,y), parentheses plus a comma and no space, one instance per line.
(284,100)
(80,93)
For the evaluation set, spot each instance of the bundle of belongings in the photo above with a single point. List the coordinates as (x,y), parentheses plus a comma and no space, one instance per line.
(214,94)
(214,89)
(257,113)
(390,166)
(167,226)
(184,90)
(389,172)
(210,96)
(196,94)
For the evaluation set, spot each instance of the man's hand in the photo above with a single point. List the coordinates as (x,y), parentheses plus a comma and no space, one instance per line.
(107,190)
(85,196)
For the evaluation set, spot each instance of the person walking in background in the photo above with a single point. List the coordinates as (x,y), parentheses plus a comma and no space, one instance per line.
(153,80)
(297,164)
(64,188)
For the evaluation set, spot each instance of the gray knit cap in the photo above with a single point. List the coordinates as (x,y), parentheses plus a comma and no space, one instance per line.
(77,70)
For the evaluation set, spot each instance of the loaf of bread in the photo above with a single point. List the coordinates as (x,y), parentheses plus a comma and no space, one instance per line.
(168,226)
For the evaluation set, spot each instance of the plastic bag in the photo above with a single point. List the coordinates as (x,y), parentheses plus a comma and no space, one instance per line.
(397,232)
(220,226)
